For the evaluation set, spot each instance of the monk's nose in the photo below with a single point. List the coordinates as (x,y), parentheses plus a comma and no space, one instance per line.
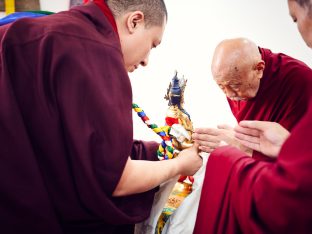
(229,92)
(144,62)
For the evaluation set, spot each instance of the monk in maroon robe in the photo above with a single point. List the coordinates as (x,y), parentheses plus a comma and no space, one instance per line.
(260,85)
(66,121)
(242,195)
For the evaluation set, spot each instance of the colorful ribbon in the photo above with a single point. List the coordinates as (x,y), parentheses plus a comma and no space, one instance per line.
(165,149)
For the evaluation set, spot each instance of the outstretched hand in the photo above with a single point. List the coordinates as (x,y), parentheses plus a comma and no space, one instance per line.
(211,138)
(265,137)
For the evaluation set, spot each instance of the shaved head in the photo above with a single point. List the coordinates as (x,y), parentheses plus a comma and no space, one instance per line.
(155,11)
(231,54)
(237,63)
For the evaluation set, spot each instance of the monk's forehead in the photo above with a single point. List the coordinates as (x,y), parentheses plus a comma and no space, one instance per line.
(227,76)
(227,62)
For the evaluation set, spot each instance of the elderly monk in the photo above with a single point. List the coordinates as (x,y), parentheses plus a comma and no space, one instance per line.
(68,160)
(259,85)
(242,195)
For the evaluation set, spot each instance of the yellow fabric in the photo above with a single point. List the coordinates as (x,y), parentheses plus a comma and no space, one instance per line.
(9,6)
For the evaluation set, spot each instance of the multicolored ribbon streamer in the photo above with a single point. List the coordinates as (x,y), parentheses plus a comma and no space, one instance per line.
(165,149)
(175,124)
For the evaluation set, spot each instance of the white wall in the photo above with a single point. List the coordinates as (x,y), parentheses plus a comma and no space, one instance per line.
(194,29)
(54,5)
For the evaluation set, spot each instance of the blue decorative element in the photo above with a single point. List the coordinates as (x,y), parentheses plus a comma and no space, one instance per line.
(18,15)
(141,114)
(162,134)
(175,93)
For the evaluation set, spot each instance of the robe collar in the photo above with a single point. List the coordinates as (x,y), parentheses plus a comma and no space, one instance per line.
(106,11)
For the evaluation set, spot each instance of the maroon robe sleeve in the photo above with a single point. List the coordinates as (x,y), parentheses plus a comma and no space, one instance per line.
(144,150)
(243,195)
(96,109)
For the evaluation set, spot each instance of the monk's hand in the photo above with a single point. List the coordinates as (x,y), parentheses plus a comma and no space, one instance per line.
(265,137)
(208,139)
(212,138)
(227,135)
(189,161)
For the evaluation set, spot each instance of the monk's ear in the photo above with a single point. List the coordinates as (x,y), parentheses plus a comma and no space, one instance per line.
(260,68)
(134,21)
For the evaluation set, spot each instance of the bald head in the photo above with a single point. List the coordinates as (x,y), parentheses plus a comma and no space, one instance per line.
(237,62)
(231,54)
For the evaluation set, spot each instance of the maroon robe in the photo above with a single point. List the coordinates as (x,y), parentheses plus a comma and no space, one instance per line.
(66,126)
(283,93)
(244,195)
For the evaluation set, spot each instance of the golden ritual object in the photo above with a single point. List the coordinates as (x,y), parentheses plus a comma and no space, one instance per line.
(180,191)
(181,131)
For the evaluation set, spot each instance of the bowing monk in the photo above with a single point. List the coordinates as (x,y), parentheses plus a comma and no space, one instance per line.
(259,85)
(244,195)
(68,162)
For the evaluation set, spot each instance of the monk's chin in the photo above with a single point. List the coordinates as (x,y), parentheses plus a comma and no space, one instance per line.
(238,99)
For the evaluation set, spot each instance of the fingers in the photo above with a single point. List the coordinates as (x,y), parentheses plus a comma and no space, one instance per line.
(208,131)
(208,139)
(251,145)
(246,131)
(247,138)
(206,149)
(224,126)
(254,124)
(206,134)
(205,137)
(209,144)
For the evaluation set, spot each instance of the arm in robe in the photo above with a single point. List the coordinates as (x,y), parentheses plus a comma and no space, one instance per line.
(99,109)
(156,173)
(96,108)
(244,195)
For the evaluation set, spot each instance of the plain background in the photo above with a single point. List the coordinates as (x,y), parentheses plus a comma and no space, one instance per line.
(194,29)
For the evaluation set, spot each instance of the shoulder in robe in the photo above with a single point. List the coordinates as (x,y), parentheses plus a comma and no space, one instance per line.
(243,195)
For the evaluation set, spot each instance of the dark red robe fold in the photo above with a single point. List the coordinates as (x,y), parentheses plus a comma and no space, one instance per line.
(283,93)
(244,195)
(66,126)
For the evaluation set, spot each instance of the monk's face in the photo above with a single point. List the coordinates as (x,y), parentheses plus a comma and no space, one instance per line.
(239,83)
(302,16)
(137,40)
